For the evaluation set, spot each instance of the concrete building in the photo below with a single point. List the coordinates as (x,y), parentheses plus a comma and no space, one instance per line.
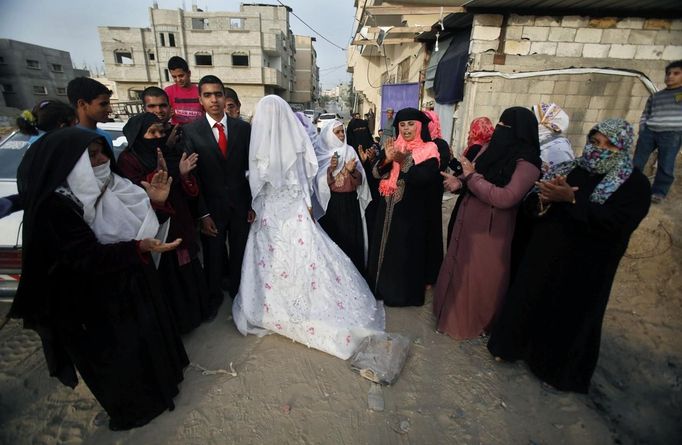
(511,56)
(252,50)
(32,73)
(307,85)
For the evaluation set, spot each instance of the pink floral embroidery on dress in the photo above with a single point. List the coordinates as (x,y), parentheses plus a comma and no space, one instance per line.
(284,275)
(311,330)
(314,285)
(338,279)
(264,222)
(267,308)
(267,286)
(261,263)
(339,304)
(300,241)
(270,248)
(300,218)
(313,266)
(278,326)
(347,339)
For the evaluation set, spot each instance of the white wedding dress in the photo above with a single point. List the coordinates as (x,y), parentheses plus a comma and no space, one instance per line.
(297,282)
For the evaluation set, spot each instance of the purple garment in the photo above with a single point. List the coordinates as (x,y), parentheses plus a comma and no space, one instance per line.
(475,272)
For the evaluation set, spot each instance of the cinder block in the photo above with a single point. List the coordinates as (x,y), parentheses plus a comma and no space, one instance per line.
(641,37)
(613,88)
(596,50)
(516,19)
(603,22)
(588,35)
(622,51)
(569,49)
(574,21)
(657,24)
(615,36)
(535,33)
(668,38)
(517,47)
(548,48)
(562,87)
(672,52)
(487,20)
(481,46)
(599,102)
(591,115)
(486,33)
(561,34)
(649,52)
(577,101)
(542,87)
(631,23)
(513,32)
(547,21)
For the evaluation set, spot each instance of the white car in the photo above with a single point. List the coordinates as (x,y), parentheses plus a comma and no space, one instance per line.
(324,118)
(12,150)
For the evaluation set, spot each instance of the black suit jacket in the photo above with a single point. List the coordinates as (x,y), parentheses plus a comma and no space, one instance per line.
(224,188)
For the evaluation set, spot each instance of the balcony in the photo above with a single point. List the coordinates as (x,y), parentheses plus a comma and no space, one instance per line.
(272,44)
(274,77)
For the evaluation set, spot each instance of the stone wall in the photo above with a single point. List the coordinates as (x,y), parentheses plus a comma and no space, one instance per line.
(535,43)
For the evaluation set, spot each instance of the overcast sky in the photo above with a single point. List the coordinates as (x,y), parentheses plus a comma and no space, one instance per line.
(71,25)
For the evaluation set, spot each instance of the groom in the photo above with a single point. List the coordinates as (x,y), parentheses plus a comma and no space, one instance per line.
(224,203)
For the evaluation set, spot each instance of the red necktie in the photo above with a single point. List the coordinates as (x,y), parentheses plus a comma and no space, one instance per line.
(222,139)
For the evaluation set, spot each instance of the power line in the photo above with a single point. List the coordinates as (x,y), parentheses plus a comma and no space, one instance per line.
(310,27)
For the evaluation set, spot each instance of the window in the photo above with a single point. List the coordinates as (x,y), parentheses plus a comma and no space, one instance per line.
(203,59)
(166,74)
(61,91)
(7,88)
(57,68)
(151,57)
(171,39)
(240,60)
(236,23)
(199,23)
(32,64)
(162,38)
(123,57)
(39,90)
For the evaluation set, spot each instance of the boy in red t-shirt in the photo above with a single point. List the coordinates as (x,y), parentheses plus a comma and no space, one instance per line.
(184,97)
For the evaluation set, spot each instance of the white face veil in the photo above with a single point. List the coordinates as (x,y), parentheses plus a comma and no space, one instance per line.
(114,208)
(278,140)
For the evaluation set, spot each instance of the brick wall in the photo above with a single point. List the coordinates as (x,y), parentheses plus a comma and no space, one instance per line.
(534,43)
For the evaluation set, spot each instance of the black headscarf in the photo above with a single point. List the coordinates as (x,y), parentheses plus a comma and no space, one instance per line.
(145,149)
(517,140)
(412,114)
(45,166)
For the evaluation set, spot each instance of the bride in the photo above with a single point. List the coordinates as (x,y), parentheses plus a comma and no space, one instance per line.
(295,281)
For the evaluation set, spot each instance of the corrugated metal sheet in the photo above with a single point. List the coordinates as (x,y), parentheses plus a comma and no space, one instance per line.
(636,8)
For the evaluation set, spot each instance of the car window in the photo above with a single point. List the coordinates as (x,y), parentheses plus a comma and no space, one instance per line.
(12,151)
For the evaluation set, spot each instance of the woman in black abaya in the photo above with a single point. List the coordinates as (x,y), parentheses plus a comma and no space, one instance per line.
(584,212)
(88,284)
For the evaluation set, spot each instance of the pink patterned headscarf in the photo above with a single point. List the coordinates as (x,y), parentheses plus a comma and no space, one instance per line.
(480,132)
(434,125)
(420,151)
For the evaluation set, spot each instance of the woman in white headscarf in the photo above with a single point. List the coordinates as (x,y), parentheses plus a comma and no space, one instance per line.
(553,122)
(342,190)
(295,281)
(88,285)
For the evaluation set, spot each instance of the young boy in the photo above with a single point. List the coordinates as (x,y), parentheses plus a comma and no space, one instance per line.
(90,99)
(184,97)
(660,128)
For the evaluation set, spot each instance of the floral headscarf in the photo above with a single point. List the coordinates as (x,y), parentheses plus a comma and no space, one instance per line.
(480,132)
(616,166)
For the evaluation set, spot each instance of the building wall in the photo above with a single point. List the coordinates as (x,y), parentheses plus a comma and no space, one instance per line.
(306,85)
(535,43)
(260,32)
(18,80)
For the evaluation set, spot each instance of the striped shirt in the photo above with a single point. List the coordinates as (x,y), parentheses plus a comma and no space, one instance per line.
(663,111)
